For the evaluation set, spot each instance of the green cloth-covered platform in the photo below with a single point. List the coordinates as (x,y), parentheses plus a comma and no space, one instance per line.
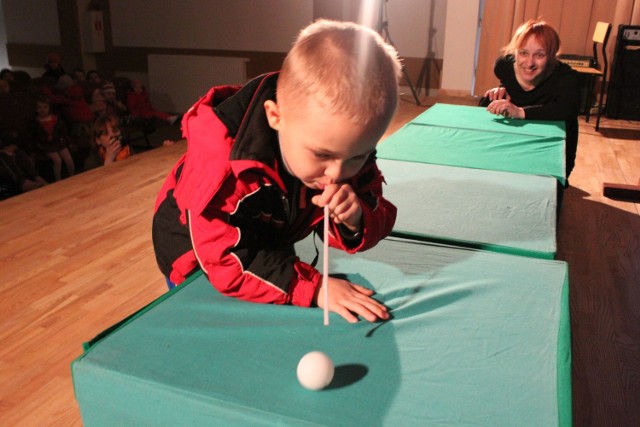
(491,210)
(477,338)
(456,135)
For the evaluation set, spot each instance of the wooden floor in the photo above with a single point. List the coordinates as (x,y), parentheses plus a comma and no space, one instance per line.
(76,257)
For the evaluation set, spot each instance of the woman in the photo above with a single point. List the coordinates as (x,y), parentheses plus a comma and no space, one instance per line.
(535,85)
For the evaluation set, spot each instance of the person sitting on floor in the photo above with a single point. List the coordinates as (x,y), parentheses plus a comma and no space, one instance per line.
(18,174)
(51,138)
(114,106)
(107,144)
(140,105)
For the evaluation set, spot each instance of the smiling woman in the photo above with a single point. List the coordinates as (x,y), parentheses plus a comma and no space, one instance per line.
(535,85)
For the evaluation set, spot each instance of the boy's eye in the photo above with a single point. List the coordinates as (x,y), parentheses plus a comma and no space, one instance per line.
(322,156)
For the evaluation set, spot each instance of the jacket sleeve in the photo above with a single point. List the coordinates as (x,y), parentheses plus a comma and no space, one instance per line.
(240,266)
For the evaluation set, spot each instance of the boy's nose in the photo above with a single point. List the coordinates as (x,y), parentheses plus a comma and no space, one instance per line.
(335,171)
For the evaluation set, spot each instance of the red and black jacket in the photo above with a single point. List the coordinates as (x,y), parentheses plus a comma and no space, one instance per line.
(230,208)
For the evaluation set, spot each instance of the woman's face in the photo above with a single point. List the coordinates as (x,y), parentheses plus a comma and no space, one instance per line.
(531,60)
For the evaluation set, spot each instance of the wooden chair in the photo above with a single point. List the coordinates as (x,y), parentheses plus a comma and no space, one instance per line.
(601,37)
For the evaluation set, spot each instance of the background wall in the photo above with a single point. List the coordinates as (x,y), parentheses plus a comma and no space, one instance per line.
(4,58)
(260,31)
(575,21)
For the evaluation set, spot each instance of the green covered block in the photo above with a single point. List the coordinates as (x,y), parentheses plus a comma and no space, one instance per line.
(476,338)
(473,138)
(491,210)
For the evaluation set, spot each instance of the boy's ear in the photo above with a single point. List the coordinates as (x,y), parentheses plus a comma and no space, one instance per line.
(273,114)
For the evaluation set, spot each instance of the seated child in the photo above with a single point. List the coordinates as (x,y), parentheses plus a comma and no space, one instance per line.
(50,136)
(107,146)
(113,106)
(265,159)
(98,105)
(140,105)
(18,174)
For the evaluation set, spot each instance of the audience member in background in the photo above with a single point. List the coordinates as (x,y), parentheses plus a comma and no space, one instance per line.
(77,114)
(70,96)
(17,172)
(79,76)
(535,85)
(6,74)
(4,86)
(17,109)
(53,67)
(94,81)
(94,78)
(107,143)
(50,137)
(98,104)
(140,105)
(114,106)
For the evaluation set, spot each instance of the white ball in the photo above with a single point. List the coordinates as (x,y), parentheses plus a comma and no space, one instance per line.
(315,370)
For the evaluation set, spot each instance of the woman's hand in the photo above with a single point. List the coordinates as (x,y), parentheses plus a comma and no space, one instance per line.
(505,108)
(497,93)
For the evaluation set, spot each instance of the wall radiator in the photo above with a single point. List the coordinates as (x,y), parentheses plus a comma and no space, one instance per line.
(176,82)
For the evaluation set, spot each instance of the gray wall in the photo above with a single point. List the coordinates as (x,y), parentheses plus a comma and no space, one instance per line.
(261,30)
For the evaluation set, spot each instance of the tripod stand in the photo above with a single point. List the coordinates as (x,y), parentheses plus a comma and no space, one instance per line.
(383,30)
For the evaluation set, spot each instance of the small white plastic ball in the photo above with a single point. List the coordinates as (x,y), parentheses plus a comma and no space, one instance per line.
(315,370)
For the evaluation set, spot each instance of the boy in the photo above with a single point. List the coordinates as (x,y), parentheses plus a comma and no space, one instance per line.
(107,146)
(263,161)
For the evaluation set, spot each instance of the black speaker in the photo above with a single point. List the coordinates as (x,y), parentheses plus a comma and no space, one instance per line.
(623,96)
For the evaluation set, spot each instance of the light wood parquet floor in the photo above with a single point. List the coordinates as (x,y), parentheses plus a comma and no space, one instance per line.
(76,257)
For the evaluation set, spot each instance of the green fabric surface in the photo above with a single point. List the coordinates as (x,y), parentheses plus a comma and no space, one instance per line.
(478,118)
(477,338)
(490,210)
(493,144)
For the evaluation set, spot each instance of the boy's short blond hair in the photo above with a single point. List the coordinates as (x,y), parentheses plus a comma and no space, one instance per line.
(345,67)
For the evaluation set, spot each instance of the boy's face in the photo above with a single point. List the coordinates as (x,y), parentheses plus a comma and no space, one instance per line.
(112,132)
(321,148)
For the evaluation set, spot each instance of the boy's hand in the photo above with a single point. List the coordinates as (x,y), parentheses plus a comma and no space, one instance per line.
(350,300)
(113,148)
(344,205)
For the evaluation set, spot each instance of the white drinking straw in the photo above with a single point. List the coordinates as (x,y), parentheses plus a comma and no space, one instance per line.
(325,265)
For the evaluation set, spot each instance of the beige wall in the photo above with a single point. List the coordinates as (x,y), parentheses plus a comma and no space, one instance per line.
(135,29)
(458,68)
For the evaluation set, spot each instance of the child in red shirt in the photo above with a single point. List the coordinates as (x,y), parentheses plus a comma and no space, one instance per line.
(140,105)
(50,136)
